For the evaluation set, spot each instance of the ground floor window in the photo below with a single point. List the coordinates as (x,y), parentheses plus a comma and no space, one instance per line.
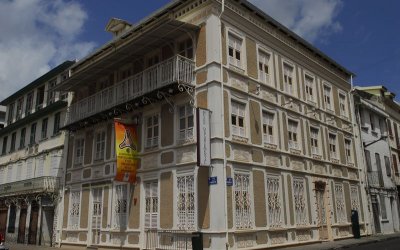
(11,220)
(74,209)
(186,202)
(120,206)
(300,204)
(243,215)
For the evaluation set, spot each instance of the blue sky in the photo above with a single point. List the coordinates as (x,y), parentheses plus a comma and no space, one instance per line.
(361,35)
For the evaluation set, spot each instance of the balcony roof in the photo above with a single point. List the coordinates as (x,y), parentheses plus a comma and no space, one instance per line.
(124,49)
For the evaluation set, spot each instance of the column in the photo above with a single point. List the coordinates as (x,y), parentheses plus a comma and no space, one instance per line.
(28,219)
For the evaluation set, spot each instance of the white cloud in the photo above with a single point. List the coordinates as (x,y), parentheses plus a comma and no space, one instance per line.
(37,35)
(311,19)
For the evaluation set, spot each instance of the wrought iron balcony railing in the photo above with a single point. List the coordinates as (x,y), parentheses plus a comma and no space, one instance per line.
(177,69)
(42,184)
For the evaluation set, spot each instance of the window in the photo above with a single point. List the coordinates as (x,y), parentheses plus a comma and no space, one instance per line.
(327,97)
(185,48)
(395,165)
(372,122)
(10,113)
(340,204)
(32,138)
(12,218)
(120,206)
(389,128)
(268,127)
(74,210)
(347,147)
(22,138)
(29,104)
(100,144)
(13,139)
(299,200)
(332,146)
(387,165)
(382,126)
(314,133)
(379,168)
(152,131)
(368,160)
(4,148)
(20,102)
(186,202)
(235,51)
(263,67)
(40,98)
(186,122)
(243,201)
(79,147)
(238,115)
(151,200)
(309,82)
(51,95)
(342,105)
(56,127)
(288,71)
(354,200)
(292,134)
(44,128)
(383,207)
(274,201)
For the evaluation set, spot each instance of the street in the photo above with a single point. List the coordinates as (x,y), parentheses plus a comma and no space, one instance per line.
(391,244)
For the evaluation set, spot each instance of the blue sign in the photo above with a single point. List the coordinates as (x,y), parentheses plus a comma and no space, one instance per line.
(212,180)
(229,181)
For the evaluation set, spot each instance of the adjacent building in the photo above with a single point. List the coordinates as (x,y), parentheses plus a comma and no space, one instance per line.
(31,147)
(378,115)
(283,166)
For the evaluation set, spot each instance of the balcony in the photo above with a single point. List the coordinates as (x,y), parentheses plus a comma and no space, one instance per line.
(45,184)
(164,79)
(375,179)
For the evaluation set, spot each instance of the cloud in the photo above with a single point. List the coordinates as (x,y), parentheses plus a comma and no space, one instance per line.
(314,20)
(37,35)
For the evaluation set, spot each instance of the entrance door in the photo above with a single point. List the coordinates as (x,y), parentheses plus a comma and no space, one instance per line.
(3,220)
(33,223)
(21,226)
(151,214)
(321,210)
(97,206)
(375,213)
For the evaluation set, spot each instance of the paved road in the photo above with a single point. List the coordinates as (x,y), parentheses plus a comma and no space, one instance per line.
(391,244)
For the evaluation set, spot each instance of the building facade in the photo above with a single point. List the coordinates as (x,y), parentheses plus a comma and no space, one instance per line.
(31,159)
(283,165)
(373,107)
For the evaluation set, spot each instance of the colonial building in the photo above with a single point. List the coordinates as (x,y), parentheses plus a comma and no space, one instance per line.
(30,163)
(283,167)
(378,114)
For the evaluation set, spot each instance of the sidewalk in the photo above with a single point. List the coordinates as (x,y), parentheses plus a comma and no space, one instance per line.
(341,244)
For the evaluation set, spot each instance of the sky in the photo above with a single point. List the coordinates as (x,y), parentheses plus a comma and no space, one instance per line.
(37,35)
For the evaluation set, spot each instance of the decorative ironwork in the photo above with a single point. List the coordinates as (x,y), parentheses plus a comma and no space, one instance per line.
(340,203)
(186,202)
(74,210)
(300,201)
(274,201)
(166,96)
(189,90)
(120,206)
(151,209)
(355,203)
(242,201)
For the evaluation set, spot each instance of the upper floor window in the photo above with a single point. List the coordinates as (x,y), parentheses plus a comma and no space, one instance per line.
(235,51)
(13,140)
(238,118)
(51,95)
(22,138)
(10,113)
(44,128)
(40,98)
(314,133)
(293,139)
(372,122)
(29,103)
(343,105)
(185,48)
(263,67)
(20,103)
(288,76)
(152,131)
(4,148)
(32,138)
(332,146)
(328,97)
(309,84)
(387,165)
(100,144)
(347,147)
(79,147)
(395,164)
(382,126)
(368,160)
(57,121)
(186,122)
(268,127)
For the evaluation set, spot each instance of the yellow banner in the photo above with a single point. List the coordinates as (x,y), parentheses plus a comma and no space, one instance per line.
(126,151)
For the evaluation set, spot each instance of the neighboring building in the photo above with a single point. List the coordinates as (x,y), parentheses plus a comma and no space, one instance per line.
(31,147)
(2,116)
(377,113)
(283,160)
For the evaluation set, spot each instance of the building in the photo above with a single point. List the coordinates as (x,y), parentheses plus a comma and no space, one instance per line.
(2,116)
(283,166)
(31,147)
(377,113)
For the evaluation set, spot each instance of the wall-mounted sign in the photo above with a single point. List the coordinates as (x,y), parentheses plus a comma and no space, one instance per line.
(212,180)
(203,137)
(229,181)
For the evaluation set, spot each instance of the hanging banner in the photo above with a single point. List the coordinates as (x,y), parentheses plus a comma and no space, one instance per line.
(203,138)
(126,152)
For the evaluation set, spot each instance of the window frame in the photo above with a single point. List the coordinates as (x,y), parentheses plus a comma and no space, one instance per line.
(264,77)
(310,97)
(187,133)
(78,147)
(268,130)
(333,147)
(44,128)
(286,78)
(119,219)
(348,152)
(22,137)
(343,107)
(240,118)
(187,50)
(243,224)
(32,135)
(57,123)
(99,155)
(315,141)
(293,144)
(237,46)
(154,140)
(328,99)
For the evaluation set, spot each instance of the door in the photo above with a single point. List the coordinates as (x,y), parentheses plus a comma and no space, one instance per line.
(321,210)
(97,206)
(151,214)
(3,220)
(21,226)
(375,213)
(33,223)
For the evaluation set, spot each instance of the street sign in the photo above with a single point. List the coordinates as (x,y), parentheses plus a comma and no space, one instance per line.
(212,180)
(229,181)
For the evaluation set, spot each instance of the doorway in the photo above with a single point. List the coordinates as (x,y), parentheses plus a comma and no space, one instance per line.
(97,206)
(33,225)
(321,210)
(22,225)
(375,213)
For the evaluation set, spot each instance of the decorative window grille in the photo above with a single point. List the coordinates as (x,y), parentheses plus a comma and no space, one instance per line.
(152,131)
(100,144)
(186,202)
(327,97)
(274,201)
(186,122)
(383,207)
(268,127)
(79,146)
(235,51)
(185,48)
(332,146)
(340,204)
(342,105)
(309,82)
(120,206)
(263,67)
(238,118)
(347,146)
(292,133)
(300,201)
(74,210)
(288,78)
(243,216)
(151,200)
(314,133)
(355,202)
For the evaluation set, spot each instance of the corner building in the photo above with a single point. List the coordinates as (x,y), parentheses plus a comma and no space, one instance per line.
(281,130)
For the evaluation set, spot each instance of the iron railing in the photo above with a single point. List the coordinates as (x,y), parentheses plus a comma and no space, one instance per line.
(34,185)
(169,239)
